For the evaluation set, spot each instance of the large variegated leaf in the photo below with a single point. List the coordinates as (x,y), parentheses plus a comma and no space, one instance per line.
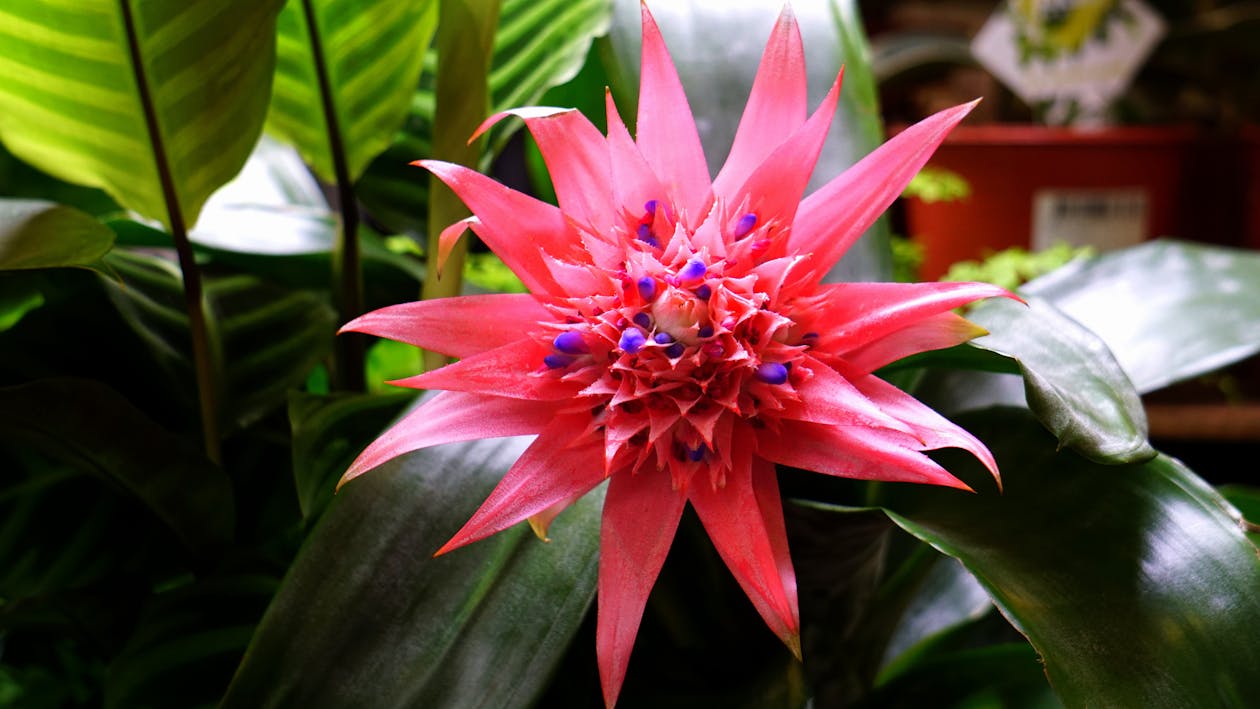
(539,44)
(158,102)
(38,234)
(344,82)
(368,617)
(265,338)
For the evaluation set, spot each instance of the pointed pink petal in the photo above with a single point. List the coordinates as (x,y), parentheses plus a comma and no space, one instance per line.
(831,219)
(577,160)
(930,427)
(829,398)
(934,332)
(633,181)
(666,130)
(776,106)
(773,190)
(451,417)
(447,240)
(736,521)
(515,226)
(548,472)
(850,315)
(504,371)
(459,326)
(853,452)
(641,513)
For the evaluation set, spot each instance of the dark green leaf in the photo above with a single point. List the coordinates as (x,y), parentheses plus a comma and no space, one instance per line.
(134,96)
(187,641)
(1132,582)
(95,430)
(328,433)
(997,676)
(266,339)
(1071,380)
(36,234)
(1168,310)
(367,617)
(1247,499)
(371,54)
(17,298)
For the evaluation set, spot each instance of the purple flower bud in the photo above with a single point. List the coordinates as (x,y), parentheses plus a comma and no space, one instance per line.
(706,331)
(650,207)
(662,338)
(745,225)
(643,320)
(772,373)
(675,350)
(696,454)
(694,270)
(570,342)
(704,292)
(557,361)
(647,287)
(631,341)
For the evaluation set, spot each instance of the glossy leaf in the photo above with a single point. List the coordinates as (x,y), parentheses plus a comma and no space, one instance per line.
(717,73)
(1132,582)
(1247,499)
(1071,381)
(95,430)
(266,338)
(17,298)
(370,56)
(367,617)
(1168,310)
(159,103)
(38,234)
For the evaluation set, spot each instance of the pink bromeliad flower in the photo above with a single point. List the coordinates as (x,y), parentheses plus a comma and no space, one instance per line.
(677,340)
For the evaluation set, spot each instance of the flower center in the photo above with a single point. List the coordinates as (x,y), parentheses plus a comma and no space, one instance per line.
(685,346)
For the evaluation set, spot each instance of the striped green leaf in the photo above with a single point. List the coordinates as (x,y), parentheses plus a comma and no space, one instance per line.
(368,55)
(157,102)
(39,234)
(265,339)
(539,44)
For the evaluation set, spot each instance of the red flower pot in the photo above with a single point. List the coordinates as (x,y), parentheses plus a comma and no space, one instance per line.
(1032,186)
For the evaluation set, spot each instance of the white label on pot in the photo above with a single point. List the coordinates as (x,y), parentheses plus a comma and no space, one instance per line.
(1102,218)
(1069,58)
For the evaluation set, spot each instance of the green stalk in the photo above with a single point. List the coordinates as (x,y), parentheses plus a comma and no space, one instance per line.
(349,352)
(194,301)
(465,43)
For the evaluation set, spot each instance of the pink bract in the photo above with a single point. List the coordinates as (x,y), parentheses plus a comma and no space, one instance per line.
(677,339)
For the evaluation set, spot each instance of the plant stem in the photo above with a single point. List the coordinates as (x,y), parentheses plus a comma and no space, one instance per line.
(194,302)
(347,270)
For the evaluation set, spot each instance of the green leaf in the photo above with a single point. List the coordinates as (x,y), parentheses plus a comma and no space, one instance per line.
(17,298)
(368,55)
(1247,499)
(718,73)
(1168,310)
(539,44)
(187,641)
(37,234)
(328,433)
(159,103)
(1132,582)
(367,617)
(266,339)
(1071,381)
(95,430)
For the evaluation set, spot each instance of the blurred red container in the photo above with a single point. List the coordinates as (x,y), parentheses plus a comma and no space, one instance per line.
(1031,186)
